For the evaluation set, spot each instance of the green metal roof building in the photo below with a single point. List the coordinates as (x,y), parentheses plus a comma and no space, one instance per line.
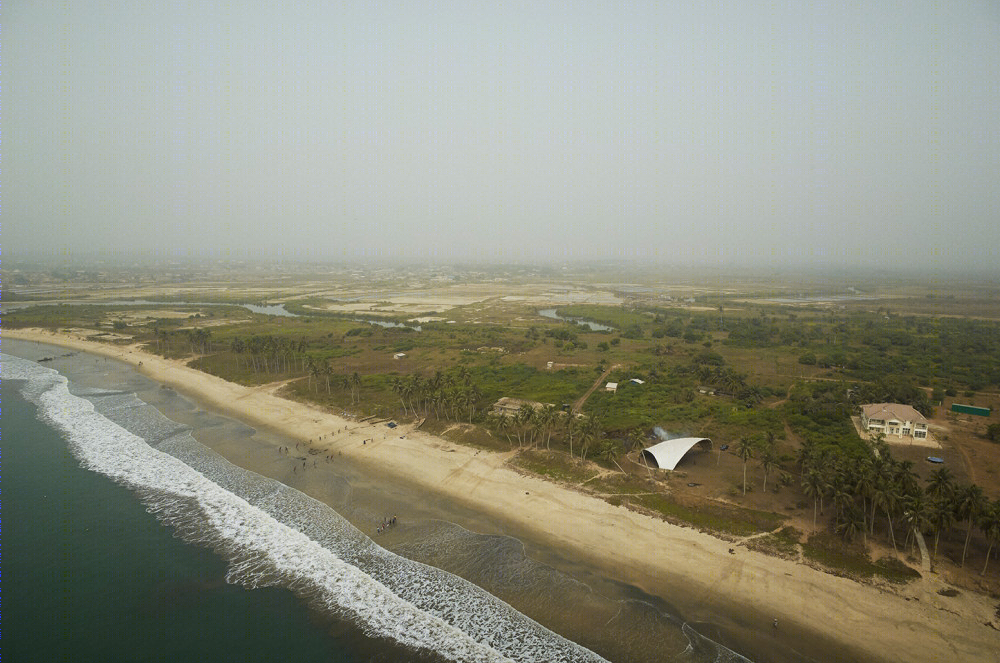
(971,409)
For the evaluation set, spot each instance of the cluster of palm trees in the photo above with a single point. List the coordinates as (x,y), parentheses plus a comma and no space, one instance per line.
(265,353)
(531,425)
(534,425)
(763,449)
(322,370)
(729,381)
(447,395)
(870,489)
(198,339)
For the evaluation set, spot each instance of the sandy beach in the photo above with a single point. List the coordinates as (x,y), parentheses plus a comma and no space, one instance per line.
(825,617)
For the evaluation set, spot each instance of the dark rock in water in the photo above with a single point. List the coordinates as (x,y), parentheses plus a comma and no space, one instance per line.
(45,359)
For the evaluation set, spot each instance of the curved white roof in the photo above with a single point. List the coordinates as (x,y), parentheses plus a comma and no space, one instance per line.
(667,454)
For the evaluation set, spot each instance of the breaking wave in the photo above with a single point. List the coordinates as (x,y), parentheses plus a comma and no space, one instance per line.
(272,535)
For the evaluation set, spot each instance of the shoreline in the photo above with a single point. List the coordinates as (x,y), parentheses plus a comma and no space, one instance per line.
(819,613)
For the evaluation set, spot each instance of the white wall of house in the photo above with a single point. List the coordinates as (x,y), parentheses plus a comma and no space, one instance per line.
(895,427)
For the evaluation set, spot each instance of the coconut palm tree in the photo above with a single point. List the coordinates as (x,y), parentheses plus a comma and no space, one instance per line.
(327,371)
(768,459)
(636,439)
(969,506)
(851,524)
(864,485)
(503,426)
(887,496)
(573,427)
(940,484)
(744,449)
(355,386)
(397,388)
(812,486)
(309,371)
(588,434)
(941,517)
(237,347)
(523,419)
(916,515)
(991,528)
(609,451)
(843,498)
(907,479)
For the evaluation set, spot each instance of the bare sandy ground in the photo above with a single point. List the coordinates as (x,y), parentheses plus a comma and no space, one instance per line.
(832,618)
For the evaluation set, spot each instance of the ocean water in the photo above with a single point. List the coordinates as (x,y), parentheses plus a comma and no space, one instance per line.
(144,541)
(90,575)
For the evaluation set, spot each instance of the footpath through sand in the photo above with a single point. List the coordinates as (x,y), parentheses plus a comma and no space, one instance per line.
(826,617)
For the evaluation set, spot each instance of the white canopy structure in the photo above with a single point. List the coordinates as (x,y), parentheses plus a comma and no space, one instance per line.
(666,455)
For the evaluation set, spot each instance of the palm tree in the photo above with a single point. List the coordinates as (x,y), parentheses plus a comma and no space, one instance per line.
(237,347)
(916,515)
(523,419)
(537,428)
(942,515)
(852,524)
(969,507)
(864,485)
(636,439)
(503,426)
(327,372)
(609,451)
(812,486)
(311,367)
(573,427)
(587,435)
(991,528)
(397,388)
(768,459)
(909,482)
(887,496)
(355,385)
(843,499)
(744,449)
(940,485)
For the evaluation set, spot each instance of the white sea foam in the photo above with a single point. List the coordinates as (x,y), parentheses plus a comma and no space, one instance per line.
(272,535)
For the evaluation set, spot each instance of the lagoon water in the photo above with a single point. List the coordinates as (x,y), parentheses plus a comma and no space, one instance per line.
(129,536)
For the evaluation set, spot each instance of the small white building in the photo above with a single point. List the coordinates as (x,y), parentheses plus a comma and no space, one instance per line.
(893,419)
(611,386)
(399,355)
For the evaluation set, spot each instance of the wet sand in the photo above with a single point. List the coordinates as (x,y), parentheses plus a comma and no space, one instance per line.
(821,616)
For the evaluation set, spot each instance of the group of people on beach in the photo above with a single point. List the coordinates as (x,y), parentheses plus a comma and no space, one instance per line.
(284,451)
(384,525)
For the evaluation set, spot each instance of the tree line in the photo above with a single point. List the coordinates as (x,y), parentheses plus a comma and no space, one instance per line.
(872,492)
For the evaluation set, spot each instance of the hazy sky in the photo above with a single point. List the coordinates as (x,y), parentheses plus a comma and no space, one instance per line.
(835,132)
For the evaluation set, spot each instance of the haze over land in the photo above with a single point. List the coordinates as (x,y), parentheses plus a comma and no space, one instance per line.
(739,133)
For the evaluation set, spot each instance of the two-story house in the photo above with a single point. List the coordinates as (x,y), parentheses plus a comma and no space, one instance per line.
(893,419)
